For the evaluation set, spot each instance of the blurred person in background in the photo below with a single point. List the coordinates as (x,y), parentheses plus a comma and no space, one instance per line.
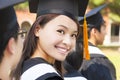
(11,39)
(99,67)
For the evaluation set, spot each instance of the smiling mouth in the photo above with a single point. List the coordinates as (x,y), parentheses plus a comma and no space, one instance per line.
(62,50)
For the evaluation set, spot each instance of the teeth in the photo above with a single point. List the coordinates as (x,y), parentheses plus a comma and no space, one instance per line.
(63,50)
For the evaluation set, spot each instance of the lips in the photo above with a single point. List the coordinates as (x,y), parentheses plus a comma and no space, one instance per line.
(62,50)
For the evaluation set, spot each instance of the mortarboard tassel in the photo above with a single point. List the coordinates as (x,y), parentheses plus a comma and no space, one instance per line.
(85,37)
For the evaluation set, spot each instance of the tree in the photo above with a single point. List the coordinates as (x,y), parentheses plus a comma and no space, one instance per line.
(113,5)
(22,6)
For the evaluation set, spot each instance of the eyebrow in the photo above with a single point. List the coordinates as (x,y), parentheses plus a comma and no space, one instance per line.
(67,28)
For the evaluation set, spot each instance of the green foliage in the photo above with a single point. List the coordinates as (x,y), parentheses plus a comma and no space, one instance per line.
(114,17)
(22,6)
(114,5)
(98,2)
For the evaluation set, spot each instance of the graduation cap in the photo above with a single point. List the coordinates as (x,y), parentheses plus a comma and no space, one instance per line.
(66,7)
(7,3)
(8,26)
(93,17)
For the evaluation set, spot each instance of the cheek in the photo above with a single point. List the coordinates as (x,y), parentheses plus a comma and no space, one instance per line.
(20,43)
(19,47)
(48,40)
(103,31)
(52,39)
(73,45)
(103,34)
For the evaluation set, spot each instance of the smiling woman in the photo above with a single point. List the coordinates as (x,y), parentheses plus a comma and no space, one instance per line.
(38,48)
(61,41)
(50,39)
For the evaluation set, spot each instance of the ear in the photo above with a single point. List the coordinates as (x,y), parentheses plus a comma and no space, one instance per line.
(37,29)
(11,46)
(93,30)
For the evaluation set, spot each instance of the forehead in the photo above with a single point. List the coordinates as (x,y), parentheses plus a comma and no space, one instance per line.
(63,20)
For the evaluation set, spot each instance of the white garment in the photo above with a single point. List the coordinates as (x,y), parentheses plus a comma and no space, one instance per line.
(37,71)
(75,78)
(95,50)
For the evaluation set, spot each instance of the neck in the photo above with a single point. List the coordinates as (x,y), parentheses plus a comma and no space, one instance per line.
(45,56)
(92,41)
(5,70)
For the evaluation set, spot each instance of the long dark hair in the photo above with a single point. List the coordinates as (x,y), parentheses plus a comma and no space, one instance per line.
(30,43)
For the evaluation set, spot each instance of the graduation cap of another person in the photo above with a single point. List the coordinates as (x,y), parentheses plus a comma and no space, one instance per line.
(94,17)
(71,8)
(7,3)
(8,26)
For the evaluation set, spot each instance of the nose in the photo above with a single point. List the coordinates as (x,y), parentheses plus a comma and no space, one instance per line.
(67,40)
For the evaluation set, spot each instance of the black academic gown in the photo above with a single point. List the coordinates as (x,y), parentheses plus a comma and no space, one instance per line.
(39,69)
(99,67)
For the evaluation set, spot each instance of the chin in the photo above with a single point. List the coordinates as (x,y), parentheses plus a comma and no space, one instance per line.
(61,59)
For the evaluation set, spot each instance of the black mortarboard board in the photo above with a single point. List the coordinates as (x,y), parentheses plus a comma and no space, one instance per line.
(7,3)
(8,26)
(67,7)
(93,17)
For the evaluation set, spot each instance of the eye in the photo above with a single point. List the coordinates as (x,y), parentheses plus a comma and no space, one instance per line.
(74,35)
(61,31)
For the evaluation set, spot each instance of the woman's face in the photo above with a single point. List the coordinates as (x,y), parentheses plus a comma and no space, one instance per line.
(57,38)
